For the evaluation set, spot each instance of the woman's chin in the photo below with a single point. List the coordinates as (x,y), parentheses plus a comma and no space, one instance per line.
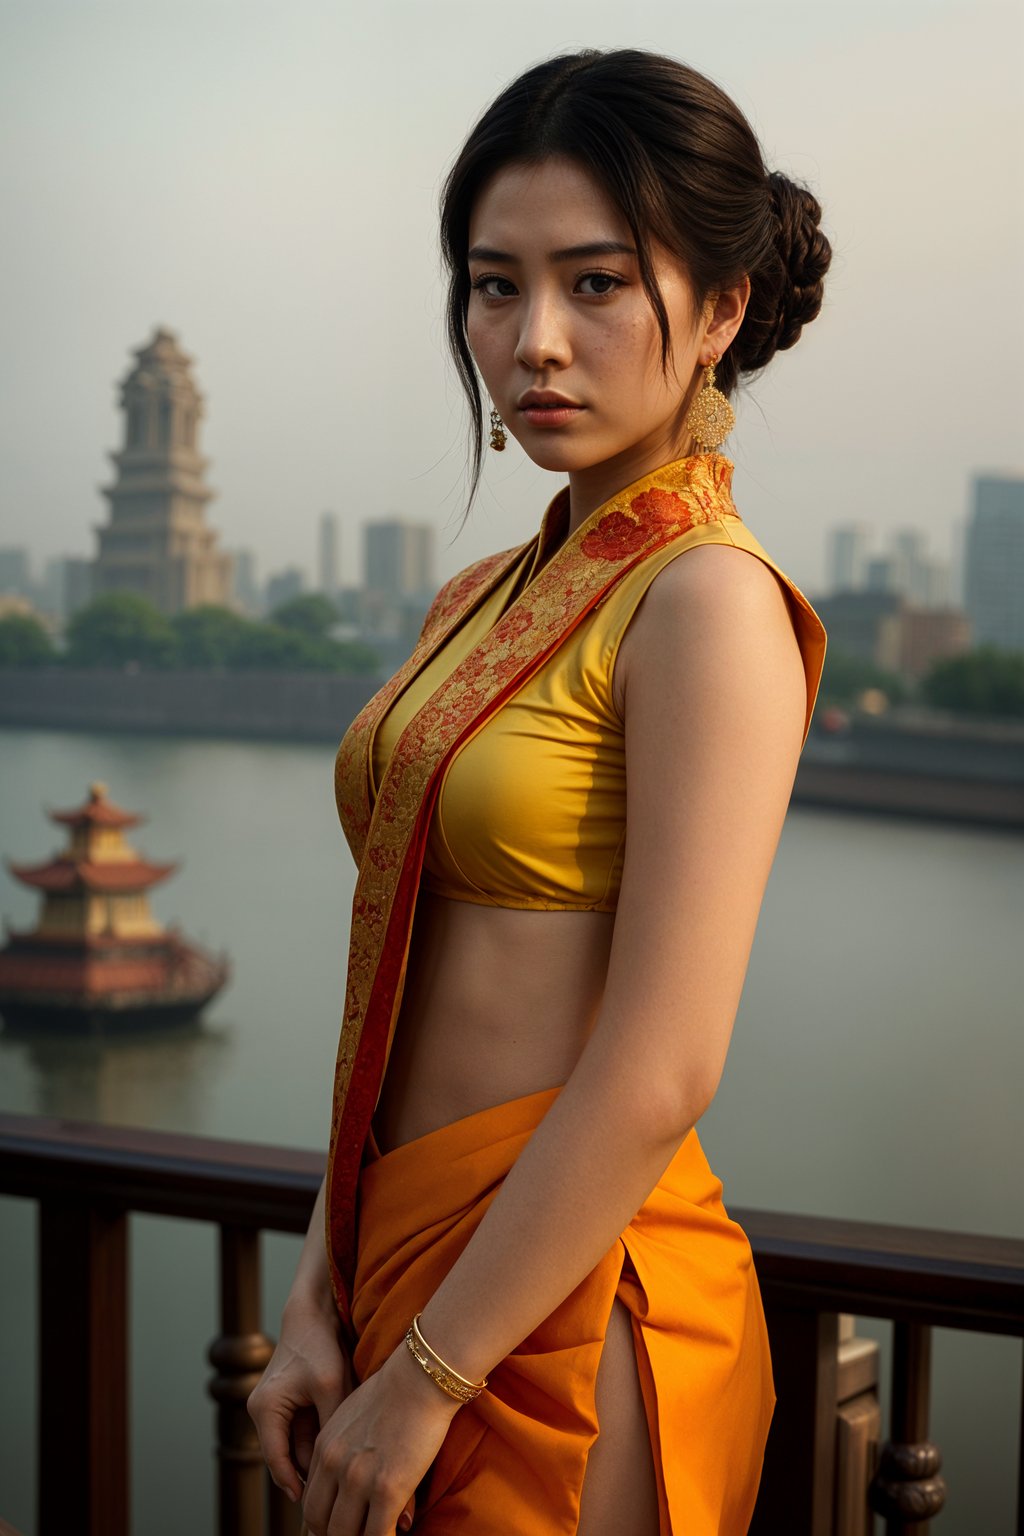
(563,457)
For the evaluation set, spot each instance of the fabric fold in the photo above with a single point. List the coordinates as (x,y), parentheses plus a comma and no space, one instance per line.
(514,1459)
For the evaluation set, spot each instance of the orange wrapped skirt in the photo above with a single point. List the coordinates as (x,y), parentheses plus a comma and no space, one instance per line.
(514,1459)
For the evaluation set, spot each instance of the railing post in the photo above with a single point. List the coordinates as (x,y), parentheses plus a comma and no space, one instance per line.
(858,1429)
(797,1481)
(83,1369)
(906,1488)
(1020,1466)
(239,1355)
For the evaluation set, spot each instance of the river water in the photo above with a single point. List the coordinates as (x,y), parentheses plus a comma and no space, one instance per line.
(875,1069)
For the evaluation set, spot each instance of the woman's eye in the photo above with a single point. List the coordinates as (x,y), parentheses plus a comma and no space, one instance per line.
(602,278)
(482,285)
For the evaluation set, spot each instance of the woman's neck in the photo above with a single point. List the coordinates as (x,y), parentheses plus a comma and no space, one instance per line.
(591,488)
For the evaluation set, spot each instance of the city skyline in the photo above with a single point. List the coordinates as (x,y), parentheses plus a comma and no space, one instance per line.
(159,543)
(348,537)
(295,254)
(876,542)
(310,565)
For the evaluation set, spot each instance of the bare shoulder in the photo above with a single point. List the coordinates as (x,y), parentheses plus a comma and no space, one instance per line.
(715,604)
(714,698)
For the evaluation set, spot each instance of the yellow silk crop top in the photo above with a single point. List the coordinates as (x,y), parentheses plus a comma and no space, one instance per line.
(531,807)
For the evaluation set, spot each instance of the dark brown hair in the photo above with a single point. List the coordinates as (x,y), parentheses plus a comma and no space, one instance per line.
(680,161)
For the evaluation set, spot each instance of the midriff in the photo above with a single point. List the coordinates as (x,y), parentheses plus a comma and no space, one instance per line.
(498,1003)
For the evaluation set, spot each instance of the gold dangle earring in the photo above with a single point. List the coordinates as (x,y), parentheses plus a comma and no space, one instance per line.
(498,438)
(711,418)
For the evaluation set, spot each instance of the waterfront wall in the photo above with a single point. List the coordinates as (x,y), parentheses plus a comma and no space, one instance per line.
(906,762)
(288,706)
(929,796)
(911,740)
(918,763)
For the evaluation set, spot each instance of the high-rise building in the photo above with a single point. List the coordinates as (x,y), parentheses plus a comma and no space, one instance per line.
(399,558)
(847,557)
(883,574)
(245,590)
(937,585)
(51,588)
(398,588)
(994,563)
(864,624)
(78,585)
(66,586)
(328,555)
(909,554)
(157,542)
(282,586)
(906,567)
(15,571)
(958,559)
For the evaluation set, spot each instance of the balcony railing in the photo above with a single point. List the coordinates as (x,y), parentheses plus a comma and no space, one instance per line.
(826,1471)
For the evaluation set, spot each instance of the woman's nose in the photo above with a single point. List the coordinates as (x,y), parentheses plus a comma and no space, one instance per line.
(543,335)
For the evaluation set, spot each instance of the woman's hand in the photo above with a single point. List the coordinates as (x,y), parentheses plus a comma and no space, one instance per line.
(306,1378)
(374,1450)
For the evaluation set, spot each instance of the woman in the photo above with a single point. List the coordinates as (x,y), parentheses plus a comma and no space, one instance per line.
(532,1313)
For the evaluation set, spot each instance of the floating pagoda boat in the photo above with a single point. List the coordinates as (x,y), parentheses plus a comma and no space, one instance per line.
(97,958)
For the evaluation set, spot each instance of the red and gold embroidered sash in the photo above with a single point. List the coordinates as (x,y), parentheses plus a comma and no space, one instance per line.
(390,840)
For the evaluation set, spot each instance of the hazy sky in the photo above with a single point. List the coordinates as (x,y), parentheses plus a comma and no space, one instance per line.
(263,178)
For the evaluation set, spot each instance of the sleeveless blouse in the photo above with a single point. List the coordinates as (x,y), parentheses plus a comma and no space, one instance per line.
(531,808)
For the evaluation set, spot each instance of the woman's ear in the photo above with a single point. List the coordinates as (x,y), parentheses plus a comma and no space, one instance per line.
(727,310)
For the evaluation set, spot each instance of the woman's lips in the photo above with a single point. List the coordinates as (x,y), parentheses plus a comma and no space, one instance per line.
(550,415)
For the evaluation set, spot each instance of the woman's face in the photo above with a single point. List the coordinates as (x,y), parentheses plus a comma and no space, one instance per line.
(557,306)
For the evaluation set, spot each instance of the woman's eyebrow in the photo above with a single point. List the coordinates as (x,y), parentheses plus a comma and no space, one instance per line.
(570,253)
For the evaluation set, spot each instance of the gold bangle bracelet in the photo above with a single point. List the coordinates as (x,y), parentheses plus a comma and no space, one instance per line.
(448,1380)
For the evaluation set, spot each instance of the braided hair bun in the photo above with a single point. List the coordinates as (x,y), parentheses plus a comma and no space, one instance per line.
(787,290)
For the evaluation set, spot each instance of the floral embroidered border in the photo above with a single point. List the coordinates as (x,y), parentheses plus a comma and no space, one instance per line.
(646,515)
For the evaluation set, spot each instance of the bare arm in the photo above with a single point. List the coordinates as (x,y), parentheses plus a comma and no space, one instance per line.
(309,1373)
(715,696)
(312,1283)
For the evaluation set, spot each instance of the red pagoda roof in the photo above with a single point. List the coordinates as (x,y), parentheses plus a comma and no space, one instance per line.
(64,875)
(97,811)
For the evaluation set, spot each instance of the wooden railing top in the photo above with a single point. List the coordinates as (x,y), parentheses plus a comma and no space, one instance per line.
(949,1279)
(952,1279)
(164,1173)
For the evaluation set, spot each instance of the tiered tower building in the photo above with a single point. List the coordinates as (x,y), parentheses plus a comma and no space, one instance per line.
(157,542)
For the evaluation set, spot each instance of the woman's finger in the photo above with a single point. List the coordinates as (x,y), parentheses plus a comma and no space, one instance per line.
(408,1514)
(334,1507)
(381,1516)
(305,1428)
(272,1426)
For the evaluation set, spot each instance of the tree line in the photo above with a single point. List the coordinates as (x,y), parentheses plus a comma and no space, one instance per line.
(124,629)
(985,681)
